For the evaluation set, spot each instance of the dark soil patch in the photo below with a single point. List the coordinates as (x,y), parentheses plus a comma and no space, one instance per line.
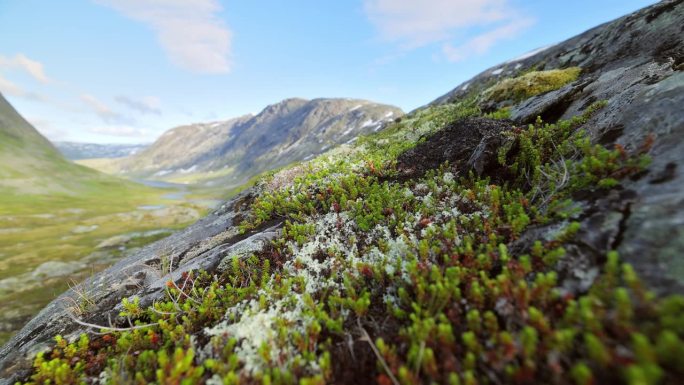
(354,361)
(467,144)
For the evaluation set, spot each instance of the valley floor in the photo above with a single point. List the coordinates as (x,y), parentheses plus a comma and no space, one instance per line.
(48,243)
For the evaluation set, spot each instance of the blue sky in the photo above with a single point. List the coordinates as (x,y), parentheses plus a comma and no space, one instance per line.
(124,71)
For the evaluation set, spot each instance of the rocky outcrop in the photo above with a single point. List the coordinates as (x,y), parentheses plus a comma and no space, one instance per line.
(636,64)
(633,63)
(467,144)
(230,152)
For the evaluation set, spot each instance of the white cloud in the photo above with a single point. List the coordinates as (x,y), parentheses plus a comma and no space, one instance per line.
(101,109)
(190,32)
(482,43)
(30,66)
(119,130)
(11,89)
(414,24)
(146,105)
(22,63)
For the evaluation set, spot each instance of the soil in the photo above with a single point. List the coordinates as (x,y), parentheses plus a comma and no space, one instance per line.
(466,144)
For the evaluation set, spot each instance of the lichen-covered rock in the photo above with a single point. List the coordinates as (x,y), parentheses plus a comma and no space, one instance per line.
(515,90)
(635,64)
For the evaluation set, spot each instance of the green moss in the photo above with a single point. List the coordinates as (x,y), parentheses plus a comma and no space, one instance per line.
(501,114)
(531,84)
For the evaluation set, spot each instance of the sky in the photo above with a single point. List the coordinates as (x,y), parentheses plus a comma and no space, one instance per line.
(125,71)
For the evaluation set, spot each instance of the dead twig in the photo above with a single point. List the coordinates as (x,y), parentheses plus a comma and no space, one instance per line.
(366,337)
(109,328)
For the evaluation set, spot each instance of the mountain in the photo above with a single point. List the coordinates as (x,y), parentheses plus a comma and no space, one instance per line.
(30,166)
(525,229)
(29,163)
(237,149)
(78,150)
(23,150)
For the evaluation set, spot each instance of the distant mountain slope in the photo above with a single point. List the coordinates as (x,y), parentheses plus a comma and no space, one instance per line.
(19,141)
(77,150)
(30,165)
(236,149)
(26,156)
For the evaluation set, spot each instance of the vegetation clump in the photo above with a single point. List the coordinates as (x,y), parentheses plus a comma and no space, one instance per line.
(395,281)
(530,84)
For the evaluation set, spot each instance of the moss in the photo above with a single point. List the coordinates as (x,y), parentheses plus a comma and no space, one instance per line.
(501,114)
(530,84)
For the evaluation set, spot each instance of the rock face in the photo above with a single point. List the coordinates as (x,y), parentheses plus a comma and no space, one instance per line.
(636,64)
(237,149)
(633,63)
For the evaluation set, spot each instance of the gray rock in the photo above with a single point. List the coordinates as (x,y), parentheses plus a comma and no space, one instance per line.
(84,229)
(115,241)
(544,105)
(635,63)
(56,269)
(245,248)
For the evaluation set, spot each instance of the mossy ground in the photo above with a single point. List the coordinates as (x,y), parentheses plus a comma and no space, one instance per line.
(531,84)
(380,279)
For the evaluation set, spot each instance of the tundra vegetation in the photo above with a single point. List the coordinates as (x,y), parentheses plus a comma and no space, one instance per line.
(404,279)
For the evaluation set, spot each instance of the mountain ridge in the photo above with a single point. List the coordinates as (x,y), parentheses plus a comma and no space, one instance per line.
(236,149)
(83,150)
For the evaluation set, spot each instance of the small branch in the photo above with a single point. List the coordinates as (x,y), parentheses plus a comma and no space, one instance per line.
(420,358)
(181,292)
(110,328)
(368,339)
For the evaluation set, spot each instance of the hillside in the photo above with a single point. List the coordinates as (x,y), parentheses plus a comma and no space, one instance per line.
(19,137)
(523,229)
(26,156)
(237,149)
(78,150)
(31,166)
